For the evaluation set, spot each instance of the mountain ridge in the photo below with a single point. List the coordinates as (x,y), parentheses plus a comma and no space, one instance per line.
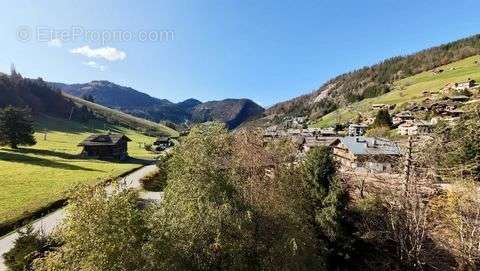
(233,112)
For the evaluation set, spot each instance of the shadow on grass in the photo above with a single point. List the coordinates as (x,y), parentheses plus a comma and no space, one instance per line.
(47,153)
(57,124)
(139,161)
(24,159)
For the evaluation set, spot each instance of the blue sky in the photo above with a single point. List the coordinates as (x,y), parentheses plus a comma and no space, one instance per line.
(268,51)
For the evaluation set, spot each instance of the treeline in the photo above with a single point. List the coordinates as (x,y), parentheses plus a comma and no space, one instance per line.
(376,80)
(39,97)
(36,94)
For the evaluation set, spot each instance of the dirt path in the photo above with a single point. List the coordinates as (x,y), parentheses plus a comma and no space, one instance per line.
(48,223)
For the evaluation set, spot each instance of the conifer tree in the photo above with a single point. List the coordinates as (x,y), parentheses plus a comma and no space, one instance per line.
(16,127)
(383,119)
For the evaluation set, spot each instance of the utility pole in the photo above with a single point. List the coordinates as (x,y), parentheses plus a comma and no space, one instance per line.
(408,164)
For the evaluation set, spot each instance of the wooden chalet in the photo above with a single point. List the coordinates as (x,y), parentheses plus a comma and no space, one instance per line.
(163,141)
(366,153)
(110,146)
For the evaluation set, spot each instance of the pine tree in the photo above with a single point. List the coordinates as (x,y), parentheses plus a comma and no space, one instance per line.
(328,204)
(16,127)
(383,119)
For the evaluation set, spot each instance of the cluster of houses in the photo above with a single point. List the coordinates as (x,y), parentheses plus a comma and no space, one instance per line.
(115,146)
(353,151)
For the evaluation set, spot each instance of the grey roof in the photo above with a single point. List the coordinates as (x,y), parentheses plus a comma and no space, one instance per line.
(360,145)
(163,139)
(360,125)
(103,140)
(320,141)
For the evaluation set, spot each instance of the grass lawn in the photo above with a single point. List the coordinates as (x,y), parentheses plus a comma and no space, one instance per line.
(409,89)
(33,177)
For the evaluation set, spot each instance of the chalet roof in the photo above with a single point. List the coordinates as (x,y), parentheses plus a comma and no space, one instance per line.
(320,141)
(163,139)
(404,114)
(360,145)
(104,140)
(358,126)
(460,98)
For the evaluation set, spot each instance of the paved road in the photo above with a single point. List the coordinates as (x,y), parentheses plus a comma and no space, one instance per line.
(48,223)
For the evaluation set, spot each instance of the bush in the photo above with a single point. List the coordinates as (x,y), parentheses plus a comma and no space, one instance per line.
(25,250)
(148,147)
(155,181)
(100,232)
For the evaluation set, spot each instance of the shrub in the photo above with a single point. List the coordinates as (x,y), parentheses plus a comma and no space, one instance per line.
(155,181)
(148,147)
(101,231)
(25,250)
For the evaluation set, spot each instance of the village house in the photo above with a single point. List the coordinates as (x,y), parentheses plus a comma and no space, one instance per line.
(313,131)
(296,122)
(454,113)
(464,85)
(366,153)
(299,120)
(105,146)
(328,132)
(316,141)
(459,98)
(383,106)
(402,117)
(357,129)
(163,142)
(415,128)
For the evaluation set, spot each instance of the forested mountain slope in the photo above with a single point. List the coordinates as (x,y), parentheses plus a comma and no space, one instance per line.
(413,89)
(44,100)
(373,81)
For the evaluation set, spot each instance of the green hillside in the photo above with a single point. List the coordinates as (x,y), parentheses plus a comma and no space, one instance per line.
(39,175)
(408,89)
(124,119)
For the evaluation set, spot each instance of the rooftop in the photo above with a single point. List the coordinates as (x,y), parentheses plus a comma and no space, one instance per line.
(103,140)
(361,145)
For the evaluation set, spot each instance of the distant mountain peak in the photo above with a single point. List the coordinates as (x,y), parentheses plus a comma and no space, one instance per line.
(231,111)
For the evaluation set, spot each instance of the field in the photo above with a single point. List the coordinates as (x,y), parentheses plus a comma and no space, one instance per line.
(408,89)
(34,177)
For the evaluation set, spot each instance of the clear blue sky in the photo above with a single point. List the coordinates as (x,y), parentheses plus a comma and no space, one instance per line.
(268,51)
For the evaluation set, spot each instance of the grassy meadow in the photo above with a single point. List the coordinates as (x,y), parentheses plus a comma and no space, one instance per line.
(34,177)
(121,117)
(409,89)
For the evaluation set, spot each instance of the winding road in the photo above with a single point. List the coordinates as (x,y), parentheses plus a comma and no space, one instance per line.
(49,222)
